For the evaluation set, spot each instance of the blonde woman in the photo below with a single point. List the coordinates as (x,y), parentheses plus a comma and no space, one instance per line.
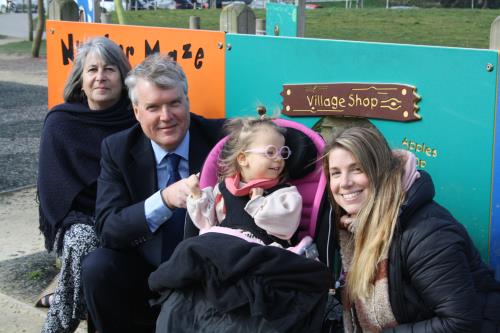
(409,265)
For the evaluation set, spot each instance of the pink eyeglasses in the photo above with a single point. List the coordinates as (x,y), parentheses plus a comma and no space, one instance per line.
(271,151)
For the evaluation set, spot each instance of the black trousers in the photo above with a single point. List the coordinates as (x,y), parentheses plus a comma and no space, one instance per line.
(115,285)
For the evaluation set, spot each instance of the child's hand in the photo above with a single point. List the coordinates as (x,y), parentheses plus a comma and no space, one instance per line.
(194,185)
(348,223)
(256,192)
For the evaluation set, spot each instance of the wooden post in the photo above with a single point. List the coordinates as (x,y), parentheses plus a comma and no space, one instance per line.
(260,26)
(237,18)
(106,18)
(63,10)
(495,34)
(301,17)
(194,22)
(97,11)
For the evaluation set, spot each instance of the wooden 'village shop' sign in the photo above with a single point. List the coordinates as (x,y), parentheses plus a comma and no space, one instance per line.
(367,100)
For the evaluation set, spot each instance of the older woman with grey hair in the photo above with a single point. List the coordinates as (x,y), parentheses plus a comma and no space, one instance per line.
(95,105)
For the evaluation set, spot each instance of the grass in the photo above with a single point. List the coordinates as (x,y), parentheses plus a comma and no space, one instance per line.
(178,18)
(423,26)
(444,27)
(22,47)
(468,28)
(34,275)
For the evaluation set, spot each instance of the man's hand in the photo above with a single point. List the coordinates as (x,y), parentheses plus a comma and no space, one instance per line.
(176,194)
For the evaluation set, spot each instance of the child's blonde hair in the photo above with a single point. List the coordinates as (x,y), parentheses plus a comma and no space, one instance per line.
(241,132)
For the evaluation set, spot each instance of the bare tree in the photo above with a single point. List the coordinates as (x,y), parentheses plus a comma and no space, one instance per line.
(35,49)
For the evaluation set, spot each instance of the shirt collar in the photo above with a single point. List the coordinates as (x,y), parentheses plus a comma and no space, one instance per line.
(182,149)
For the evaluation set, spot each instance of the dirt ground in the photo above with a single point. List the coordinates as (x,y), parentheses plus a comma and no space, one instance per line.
(23,69)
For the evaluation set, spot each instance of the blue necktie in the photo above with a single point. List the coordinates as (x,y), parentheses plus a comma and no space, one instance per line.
(173,229)
(173,160)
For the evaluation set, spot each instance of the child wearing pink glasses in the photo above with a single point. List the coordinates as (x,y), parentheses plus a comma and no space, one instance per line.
(252,200)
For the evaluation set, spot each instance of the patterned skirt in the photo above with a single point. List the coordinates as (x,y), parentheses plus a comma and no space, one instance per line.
(68,305)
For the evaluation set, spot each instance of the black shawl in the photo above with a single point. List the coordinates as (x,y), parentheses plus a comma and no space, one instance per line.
(69,157)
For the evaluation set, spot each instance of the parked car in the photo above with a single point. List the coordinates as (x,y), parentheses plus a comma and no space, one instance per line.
(12,6)
(228,2)
(109,5)
(7,7)
(140,5)
(183,4)
(149,4)
(173,4)
(165,4)
(223,3)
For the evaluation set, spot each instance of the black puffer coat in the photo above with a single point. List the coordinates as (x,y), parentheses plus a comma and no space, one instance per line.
(437,281)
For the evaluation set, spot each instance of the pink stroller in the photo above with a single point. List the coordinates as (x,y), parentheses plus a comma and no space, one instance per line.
(304,165)
(219,283)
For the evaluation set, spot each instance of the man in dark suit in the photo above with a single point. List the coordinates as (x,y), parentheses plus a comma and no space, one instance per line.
(141,202)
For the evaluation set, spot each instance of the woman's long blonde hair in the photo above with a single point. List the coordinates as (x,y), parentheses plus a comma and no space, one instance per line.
(377,219)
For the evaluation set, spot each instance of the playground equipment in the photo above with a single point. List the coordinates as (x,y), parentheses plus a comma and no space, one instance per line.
(454,136)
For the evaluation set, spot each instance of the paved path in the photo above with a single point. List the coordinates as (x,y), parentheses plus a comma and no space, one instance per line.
(19,225)
(23,105)
(15,25)
(17,316)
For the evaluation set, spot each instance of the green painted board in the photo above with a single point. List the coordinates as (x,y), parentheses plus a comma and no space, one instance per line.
(458,104)
(281,19)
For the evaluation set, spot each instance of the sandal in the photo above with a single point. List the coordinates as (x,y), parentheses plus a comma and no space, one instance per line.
(46,297)
(45,301)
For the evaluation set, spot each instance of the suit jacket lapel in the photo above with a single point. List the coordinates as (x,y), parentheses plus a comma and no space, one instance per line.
(198,149)
(143,168)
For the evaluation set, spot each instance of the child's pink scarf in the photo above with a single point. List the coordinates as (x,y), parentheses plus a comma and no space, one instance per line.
(233,184)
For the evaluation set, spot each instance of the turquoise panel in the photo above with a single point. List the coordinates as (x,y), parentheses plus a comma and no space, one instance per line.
(457,107)
(283,17)
(495,204)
